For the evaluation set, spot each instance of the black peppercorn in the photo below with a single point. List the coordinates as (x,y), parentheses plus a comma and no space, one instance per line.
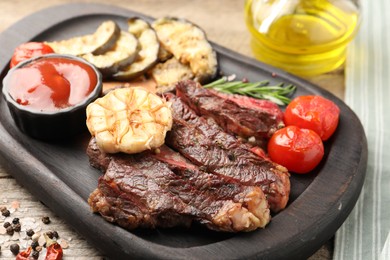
(14,249)
(35,254)
(30,232)
(34,244)
(6,224)
(46,220)
(55,234)
(6,213)
(50,234)
(15,221)
(17,227)
(10,230)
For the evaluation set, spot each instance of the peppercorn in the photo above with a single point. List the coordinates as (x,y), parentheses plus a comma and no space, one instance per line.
(50,234)
(35,237)
(6,224)
(34,244)
(6,213)
(3,209)
(30,232)
(35,254)
(17,227)
(14,249)
(46,220)
(10,230)
(15,221)
(55,234)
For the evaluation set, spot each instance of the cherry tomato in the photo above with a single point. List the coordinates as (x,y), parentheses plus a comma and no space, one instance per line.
(28,50)
(298,149)
(313,112)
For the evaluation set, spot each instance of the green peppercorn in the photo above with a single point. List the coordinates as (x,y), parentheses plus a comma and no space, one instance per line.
(10,230)
(17,227)
(14,249)
(6,224)
(30,232)
(46,220)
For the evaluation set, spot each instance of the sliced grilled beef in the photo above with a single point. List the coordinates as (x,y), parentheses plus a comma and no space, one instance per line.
(264,106)
(164,190)
(230,113)
(206,145)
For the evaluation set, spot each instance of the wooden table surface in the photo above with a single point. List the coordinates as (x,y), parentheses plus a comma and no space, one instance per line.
(223,23)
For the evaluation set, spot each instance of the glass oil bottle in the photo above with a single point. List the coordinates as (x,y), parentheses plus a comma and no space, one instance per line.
(304,37)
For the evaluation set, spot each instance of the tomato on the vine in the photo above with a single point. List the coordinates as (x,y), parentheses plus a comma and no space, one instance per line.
(299,150)
(29,50)
(313,112)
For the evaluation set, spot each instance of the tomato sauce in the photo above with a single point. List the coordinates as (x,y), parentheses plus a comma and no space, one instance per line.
(52,83)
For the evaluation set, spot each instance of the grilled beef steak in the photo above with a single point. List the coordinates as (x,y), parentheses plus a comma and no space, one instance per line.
(230,113)
(202,174)
(165,190)
(205,144)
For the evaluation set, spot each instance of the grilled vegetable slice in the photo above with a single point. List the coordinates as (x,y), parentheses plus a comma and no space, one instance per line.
(188,43)
(163,54)
(168,73)
(99,42)
(122,54)
(148,53)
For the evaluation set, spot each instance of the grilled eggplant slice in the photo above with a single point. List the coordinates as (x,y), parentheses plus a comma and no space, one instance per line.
(167,74)
(97,43)
(121,55)
(164,55)
(189,44)
(148,53)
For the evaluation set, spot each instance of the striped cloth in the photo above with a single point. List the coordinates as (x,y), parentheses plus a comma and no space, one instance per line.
(366,232)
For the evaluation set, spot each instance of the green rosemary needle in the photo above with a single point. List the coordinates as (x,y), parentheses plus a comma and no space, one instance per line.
(278,94)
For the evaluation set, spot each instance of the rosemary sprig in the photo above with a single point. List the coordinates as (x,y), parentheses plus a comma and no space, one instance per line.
(261,90)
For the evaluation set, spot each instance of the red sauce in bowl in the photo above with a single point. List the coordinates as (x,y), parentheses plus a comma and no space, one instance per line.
(52,83)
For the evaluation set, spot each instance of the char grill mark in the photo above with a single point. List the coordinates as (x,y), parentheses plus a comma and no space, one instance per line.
(206,145)
(232,117)
(164,190)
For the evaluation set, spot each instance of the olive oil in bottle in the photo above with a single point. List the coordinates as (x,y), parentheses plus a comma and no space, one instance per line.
(304,37)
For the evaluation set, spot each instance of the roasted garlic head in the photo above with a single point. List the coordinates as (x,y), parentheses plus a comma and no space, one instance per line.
(129,120)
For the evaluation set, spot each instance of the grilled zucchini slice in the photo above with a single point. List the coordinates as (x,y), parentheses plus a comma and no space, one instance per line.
(121,55)
(189,44)
(99,42)
(148,53)
(168,73)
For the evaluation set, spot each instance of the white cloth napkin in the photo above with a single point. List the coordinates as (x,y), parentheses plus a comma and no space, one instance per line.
(364,233)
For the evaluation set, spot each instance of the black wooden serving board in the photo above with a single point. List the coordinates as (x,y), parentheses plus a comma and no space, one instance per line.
(60,176)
